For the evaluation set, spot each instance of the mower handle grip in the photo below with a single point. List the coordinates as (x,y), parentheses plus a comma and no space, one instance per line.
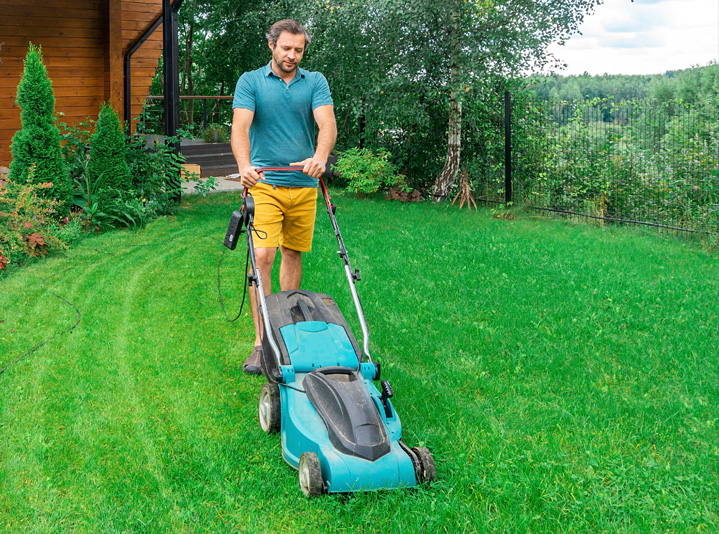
(278,169)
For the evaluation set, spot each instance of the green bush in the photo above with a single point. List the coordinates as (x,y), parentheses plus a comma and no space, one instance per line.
(155,172)
(37,144)
(107,169)
(75,139)
(366,172)
(28,222)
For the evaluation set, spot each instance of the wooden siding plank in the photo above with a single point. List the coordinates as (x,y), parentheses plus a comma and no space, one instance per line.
(53,52)
(43,5)
(69,12)
(49,27)
(50,44)
(56,64)
(57,83)
(46,20)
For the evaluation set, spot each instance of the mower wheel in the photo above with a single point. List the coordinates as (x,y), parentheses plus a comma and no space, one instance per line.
(310,474)
(428,471)
(269,409)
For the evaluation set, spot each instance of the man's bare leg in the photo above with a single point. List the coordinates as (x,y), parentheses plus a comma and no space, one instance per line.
(264,258)
(290,269)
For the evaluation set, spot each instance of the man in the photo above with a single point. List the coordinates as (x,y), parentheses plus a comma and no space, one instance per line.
(275,110)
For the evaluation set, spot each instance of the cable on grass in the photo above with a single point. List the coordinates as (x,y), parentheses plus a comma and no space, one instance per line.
(77,310)
(39,345)
(79,314)
(219,289)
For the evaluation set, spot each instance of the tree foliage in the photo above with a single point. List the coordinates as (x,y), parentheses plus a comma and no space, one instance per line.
(394,66)
(107,169)
(37,144)
(689,85)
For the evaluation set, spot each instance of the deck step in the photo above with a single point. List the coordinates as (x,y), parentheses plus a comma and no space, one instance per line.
(214,159)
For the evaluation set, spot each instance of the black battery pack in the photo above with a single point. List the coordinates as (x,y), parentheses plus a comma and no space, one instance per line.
(234,230)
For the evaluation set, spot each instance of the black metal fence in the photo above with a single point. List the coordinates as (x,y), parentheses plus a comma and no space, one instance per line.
(631,161)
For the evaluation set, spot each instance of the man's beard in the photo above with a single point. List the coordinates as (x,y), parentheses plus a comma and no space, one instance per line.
(280,65)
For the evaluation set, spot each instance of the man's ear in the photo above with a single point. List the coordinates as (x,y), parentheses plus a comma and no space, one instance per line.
(272,47)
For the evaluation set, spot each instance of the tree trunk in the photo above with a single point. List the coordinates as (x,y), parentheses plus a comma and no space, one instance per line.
(446,179)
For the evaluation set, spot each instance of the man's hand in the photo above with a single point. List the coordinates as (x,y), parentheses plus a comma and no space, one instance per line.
(249,176)
(311,167)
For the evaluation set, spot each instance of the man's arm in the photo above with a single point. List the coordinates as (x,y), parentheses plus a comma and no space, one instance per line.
(240,140)
(325,119)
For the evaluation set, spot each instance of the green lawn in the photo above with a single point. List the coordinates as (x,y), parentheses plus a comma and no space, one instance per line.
(564,377)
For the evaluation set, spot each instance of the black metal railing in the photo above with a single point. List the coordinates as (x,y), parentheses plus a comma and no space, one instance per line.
(202,116)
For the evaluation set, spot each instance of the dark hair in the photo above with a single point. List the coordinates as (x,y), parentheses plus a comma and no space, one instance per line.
(290,26)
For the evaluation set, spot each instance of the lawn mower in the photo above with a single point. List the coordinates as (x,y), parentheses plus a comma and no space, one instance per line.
(338,430)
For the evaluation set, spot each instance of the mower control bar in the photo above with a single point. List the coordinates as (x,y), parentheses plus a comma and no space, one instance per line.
(278,169)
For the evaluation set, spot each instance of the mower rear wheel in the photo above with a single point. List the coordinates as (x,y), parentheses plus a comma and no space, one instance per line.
(428,471)
(269,409)
(310,474)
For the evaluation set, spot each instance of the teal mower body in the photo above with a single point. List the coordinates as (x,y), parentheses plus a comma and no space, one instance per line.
(338,429)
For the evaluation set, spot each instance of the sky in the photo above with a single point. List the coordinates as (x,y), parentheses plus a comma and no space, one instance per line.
(643,37)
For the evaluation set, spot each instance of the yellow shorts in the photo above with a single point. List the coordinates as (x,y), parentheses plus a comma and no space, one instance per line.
(284,216)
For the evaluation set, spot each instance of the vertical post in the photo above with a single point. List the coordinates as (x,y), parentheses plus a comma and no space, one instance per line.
(507,147)
(204,115)
(362,125)
(127,94)
(171,78)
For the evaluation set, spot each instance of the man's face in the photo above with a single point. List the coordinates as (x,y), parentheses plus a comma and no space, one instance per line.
(288,51)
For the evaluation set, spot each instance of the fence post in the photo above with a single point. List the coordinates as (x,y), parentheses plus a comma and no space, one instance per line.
(507,147)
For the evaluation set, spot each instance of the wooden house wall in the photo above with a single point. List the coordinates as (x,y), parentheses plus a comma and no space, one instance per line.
(83,45)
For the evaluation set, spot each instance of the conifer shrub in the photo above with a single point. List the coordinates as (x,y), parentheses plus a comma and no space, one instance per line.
(37,144)
(107,168)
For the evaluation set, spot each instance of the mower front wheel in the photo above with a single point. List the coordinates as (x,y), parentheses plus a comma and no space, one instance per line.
(310,474)
(428,471)
(269,409)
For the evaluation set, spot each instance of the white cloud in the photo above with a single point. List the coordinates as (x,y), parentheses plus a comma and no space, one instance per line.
(643,37)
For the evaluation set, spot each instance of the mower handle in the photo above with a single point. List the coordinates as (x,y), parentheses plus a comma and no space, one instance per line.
(278,169)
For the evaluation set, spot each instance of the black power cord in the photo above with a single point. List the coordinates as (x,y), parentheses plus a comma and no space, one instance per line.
(219,288)
(259,233)
(77,310)
(247,271)
(36,347)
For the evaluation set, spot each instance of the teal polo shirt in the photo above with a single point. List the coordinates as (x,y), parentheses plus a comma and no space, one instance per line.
(283,127)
